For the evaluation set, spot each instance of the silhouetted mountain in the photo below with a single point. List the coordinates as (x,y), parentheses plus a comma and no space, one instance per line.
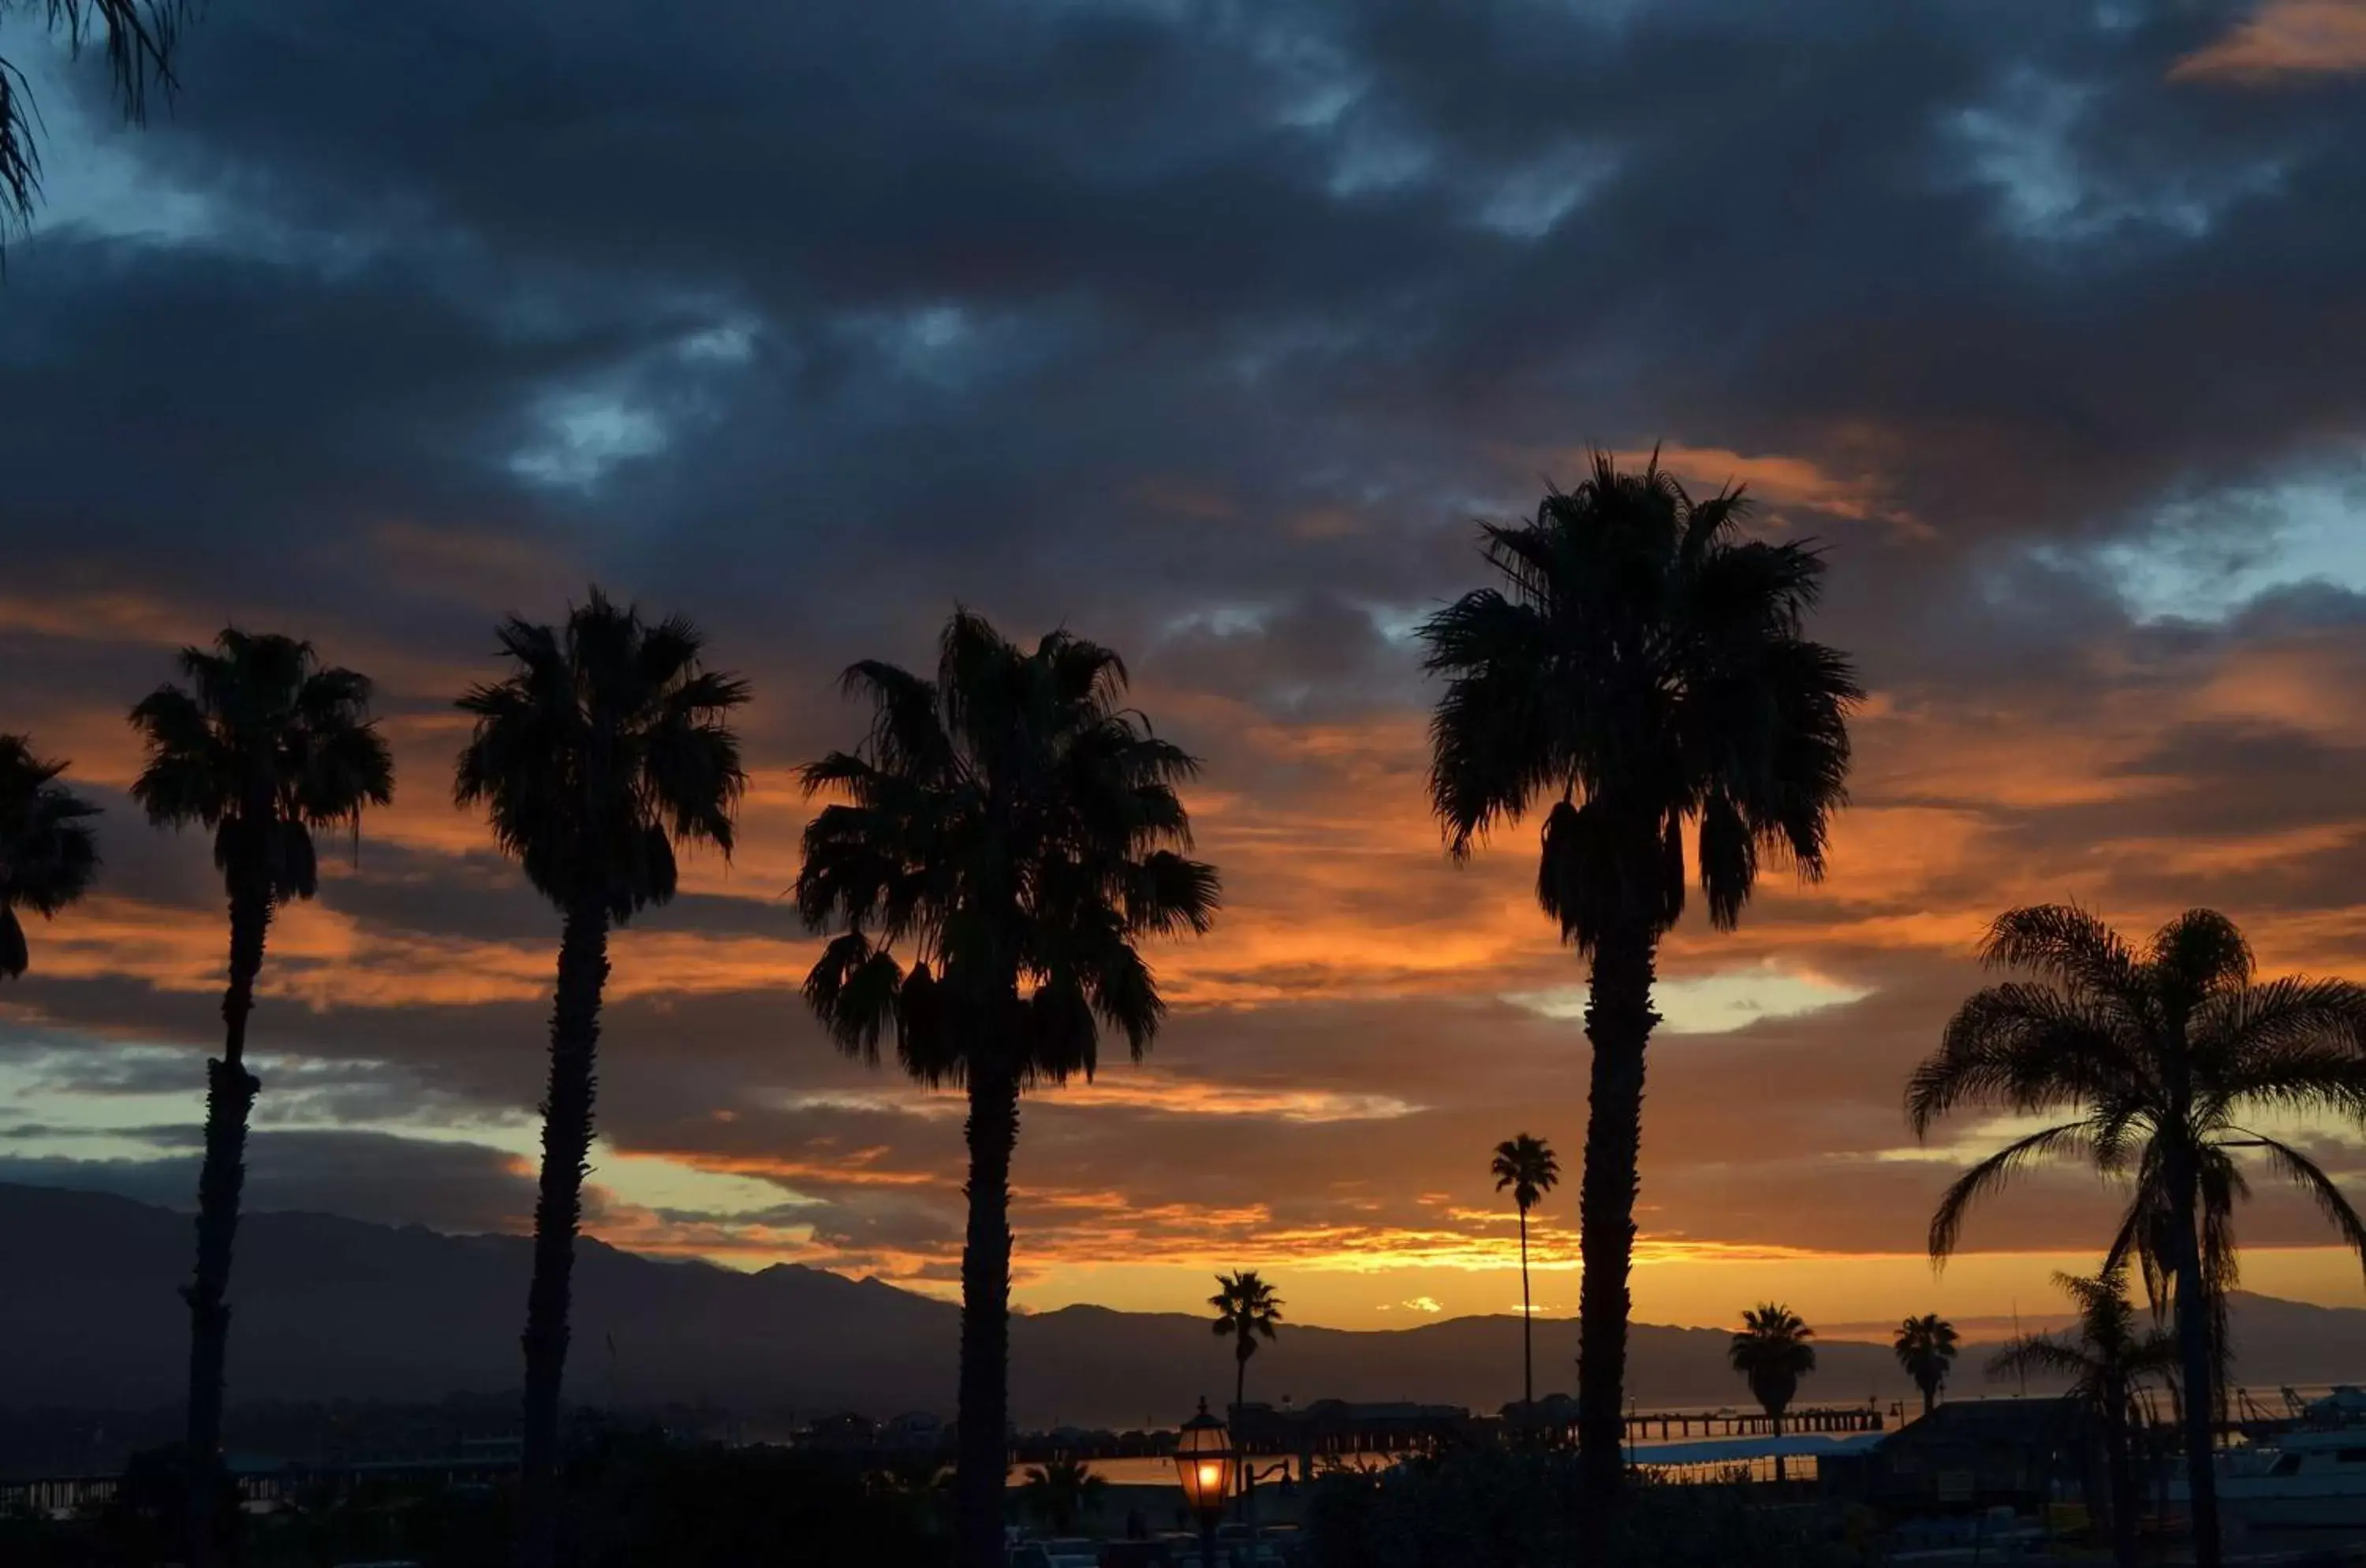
(333,1308)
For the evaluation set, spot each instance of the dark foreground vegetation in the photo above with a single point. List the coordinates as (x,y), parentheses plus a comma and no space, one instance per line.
(628,1501)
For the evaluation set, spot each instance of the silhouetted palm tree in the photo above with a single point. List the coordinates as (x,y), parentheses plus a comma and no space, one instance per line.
(1014,832)
(47,853)
(265,747)
(1527,1165)
(1925,1347)
(1061,1492)
(2159,1053)
(2103,1361)
(139,36)
(608,746)
(1641,668)
(1246,1307)
(1772,1352)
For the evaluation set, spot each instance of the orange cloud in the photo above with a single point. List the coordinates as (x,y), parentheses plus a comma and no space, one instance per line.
(2285,39)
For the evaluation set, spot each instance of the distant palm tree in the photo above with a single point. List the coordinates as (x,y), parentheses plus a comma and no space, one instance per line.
(1527,1165)
(1062,1492)
(1642,669)
(1246,1307)
(141,37)
(48,855)
(2159,1053)
(2103,1361)
(1926,1351)
(1772,1352)
(608,746)
(266,748)
(1015,831)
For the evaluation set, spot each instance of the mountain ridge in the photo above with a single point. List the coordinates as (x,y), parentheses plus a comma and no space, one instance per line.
(329,1307)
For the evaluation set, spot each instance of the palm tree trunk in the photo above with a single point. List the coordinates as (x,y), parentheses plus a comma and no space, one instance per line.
(1780,1476)
(1241,1466)
(1527,1327)
(2120,1472)
(2193,1353)
(230,1099)
(557,1212)
(1618,1020)
(1930,1397)
(982,1464)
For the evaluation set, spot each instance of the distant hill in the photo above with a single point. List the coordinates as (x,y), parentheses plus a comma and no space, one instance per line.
(332,1308)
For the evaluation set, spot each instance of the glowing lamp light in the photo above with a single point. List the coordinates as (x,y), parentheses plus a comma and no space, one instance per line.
(1204,1463)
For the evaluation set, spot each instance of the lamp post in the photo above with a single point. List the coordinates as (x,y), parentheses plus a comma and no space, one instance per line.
(1204,1463)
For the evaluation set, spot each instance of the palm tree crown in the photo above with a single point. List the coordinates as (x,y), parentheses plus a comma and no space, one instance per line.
(1527,1166)
(1014,832)
(47,854)
(2105,1356)
(1925,1347)
(1246,1307)
(608,744)
(1771,1351)
(2160,1054)
(266,748)
(1644,665)
(2158,1058)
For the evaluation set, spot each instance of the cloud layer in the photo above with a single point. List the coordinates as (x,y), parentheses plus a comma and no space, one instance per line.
(1206,329)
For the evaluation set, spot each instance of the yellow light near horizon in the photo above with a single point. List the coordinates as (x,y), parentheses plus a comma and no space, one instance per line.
(1212,1475)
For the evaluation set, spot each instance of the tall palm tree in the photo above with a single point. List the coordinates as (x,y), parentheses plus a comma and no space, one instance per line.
(1246,1307)
(2158,1055)
(266,747)
(48,855)
(1925,1347)
(1642,669)
(1008,832)
(1062,1492)
(1528,1167)
(2104,1360)
(606,749)
(140,38)
(1770,1350)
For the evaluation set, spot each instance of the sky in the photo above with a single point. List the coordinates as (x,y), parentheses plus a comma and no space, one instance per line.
(1208,330)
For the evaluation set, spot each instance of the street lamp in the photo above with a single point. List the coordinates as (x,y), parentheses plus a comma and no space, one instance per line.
(1204,1463)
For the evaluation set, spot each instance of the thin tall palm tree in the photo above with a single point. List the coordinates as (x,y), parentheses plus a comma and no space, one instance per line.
(1246,1307)
(605,751)
(266,747)
(1770,1350)
(47,854)
(2161,1054)
(1925,1347)
(1642,669)
(1528,1167)
(1009,833)
(2104,1360)
(139,38)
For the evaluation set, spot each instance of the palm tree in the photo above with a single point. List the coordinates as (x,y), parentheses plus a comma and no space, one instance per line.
(48,855)
(1925,1347)
(1771,1351)
(2157,1053)
(606,749)
(1013,832)
(1246,1307)
(2104,1363)
(266,748)
(1641,668)
(142,37)
(1062,1492)
(1528,1167)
